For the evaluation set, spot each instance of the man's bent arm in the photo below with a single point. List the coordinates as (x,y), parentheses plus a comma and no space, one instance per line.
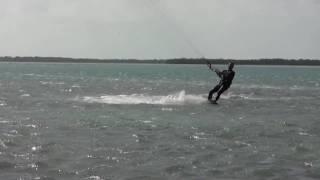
(218,72)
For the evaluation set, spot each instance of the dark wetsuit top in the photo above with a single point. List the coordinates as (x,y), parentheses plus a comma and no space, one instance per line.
(226,77)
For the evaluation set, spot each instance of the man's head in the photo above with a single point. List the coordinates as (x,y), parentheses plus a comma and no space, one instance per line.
(230,65)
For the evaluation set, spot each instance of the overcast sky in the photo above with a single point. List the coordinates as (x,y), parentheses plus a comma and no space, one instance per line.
(160,28)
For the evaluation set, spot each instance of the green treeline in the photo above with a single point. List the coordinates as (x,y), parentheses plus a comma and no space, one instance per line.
(274,61)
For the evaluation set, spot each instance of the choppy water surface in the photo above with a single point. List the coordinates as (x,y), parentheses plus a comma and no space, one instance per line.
(121,121)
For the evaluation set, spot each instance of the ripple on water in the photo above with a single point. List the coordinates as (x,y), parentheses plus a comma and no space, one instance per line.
(4,122)
(39,165)
(214,172)
(94,178)
(25,95)
(175,169)
(3,103)
(31,125)
(2,144)
(4,165)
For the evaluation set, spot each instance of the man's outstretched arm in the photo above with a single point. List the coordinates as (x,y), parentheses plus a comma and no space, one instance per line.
(217,71)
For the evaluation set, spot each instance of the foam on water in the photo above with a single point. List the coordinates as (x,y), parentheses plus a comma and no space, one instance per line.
(179,98)
(2,144)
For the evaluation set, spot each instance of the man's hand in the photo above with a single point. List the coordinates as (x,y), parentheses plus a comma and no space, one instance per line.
(209,65)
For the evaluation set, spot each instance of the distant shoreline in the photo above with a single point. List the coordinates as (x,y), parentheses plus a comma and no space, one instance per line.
(273,61)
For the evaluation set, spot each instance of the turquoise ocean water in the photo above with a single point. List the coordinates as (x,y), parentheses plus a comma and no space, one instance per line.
(138,121)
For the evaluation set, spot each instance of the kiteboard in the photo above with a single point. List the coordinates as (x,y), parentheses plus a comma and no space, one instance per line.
(213,102)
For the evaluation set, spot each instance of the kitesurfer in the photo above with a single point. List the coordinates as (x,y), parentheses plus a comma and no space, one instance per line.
(226,77)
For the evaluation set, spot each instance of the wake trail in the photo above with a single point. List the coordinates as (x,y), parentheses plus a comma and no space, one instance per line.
(179,98)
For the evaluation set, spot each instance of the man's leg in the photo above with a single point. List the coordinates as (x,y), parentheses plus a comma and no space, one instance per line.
(214,90)
(224,88)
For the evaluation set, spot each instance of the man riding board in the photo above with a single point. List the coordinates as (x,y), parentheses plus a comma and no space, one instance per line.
(226,77)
